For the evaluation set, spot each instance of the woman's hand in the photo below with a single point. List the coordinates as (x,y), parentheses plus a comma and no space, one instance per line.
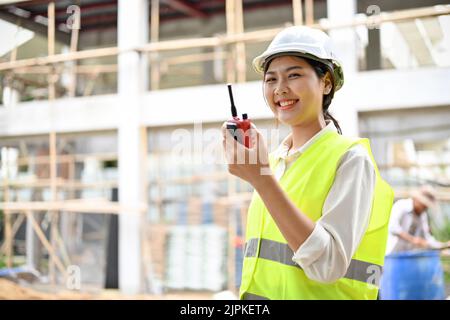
(250,164)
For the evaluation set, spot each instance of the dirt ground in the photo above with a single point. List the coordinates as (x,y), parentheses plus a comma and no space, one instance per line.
(10,290)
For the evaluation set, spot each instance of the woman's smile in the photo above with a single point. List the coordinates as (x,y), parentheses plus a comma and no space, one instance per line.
(286,104)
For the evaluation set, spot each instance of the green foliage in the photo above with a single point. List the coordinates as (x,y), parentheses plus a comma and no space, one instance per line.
(441,230)
(1,226)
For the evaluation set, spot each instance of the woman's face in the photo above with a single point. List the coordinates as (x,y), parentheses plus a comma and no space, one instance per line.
(293,90)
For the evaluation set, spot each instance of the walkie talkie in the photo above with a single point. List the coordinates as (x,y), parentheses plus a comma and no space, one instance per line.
(237,126)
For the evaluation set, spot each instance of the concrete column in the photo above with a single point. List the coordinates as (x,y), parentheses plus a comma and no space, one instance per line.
(132,82)
(345,38)
(11,97)
(373,50)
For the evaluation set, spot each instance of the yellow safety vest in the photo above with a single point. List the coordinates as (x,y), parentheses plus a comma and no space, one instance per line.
(268,270)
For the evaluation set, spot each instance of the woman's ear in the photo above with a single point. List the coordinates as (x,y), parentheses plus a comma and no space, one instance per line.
(328,83)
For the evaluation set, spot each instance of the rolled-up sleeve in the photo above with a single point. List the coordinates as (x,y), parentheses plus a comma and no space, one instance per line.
(326,254)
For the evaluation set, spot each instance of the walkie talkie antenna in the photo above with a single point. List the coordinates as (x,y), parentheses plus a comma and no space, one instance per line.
(233,107)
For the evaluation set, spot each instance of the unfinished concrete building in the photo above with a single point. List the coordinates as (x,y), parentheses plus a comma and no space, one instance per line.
(110,115)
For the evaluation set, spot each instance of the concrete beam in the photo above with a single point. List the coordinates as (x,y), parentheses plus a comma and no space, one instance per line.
(364,91)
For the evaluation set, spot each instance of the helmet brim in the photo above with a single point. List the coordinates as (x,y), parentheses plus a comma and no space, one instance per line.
(260,62)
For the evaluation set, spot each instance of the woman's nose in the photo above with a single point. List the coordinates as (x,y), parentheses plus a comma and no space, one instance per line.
(281,89)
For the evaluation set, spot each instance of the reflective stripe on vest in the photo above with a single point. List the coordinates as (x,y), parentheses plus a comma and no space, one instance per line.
(252,296)
(280,252)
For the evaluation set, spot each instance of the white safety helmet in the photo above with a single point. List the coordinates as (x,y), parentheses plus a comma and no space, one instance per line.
(303,42)
(427,196)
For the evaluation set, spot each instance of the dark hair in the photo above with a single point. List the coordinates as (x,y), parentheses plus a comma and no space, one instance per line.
(321,70)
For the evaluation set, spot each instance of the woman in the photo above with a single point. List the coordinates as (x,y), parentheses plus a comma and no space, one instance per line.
(317,223)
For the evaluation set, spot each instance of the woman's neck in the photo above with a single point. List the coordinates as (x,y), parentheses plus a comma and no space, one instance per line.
(303,133)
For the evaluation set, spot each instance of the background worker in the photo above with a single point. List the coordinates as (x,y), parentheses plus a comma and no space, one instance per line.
(408,226)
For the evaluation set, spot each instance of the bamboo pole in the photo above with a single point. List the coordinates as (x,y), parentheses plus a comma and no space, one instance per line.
(240,46)
(76,206)
(13,56)
(52,143)
(146,261)
(309,10)
(15,227)
(46,244)
(62,57)
(62,183)
(155,73)
(8,228)
(53,189)
(62,248)
(81,69)
(232,247)
(67,158)
(51,46)
(230,12)
(91,83)
(74,48)
(231,250)
(297,10)
(195,58)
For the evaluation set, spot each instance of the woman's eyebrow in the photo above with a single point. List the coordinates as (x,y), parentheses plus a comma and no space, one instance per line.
(286,70)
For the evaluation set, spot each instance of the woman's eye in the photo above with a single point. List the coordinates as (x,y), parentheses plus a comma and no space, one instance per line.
(294,75)
(270,79)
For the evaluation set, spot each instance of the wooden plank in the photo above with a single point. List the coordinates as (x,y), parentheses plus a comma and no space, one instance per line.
(240,46)
(76,206)
(17,223)
(80,69)
(8,240)
(155,73)
(309,10)
(62,248)
(297,10)
(230,12)
(52,145)
(199,57)
(75,28)
(58,58)
(67,158)
(46,243)
(7,222)
(51,47)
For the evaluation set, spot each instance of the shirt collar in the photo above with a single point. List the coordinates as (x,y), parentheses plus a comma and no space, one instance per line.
(283,152)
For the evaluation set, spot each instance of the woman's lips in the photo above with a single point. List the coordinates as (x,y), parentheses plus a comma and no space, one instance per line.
(286,104)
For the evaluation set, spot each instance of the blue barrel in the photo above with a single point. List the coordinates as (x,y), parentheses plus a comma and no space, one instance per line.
(413,275)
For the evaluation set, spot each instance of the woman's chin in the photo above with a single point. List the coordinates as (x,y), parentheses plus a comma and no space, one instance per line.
(286,120)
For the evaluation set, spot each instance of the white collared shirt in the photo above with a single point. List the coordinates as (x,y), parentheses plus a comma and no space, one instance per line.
(326,254)
(403,219)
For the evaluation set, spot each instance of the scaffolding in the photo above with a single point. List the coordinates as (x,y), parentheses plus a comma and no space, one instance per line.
(232,46)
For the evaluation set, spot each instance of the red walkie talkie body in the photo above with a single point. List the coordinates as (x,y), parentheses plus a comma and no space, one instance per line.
(238,127)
